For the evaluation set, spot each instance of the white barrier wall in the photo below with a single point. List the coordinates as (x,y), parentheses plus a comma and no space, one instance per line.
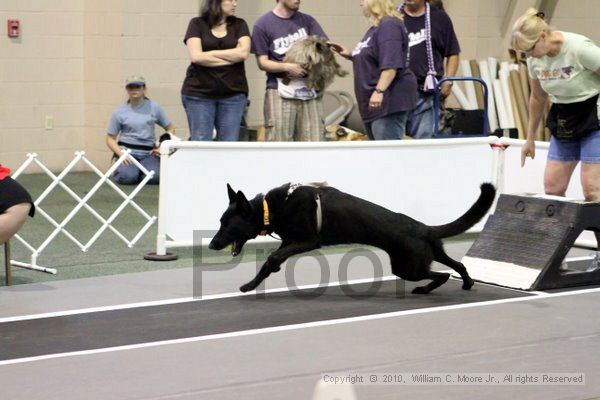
(434,181)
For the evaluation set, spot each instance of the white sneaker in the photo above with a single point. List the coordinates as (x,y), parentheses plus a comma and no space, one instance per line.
(595,264)
(563,266)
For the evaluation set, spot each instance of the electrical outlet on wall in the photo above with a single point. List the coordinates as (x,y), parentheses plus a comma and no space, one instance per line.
(49,122)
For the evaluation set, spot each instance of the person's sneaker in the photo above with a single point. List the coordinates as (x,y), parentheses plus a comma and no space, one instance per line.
(595,264)
(564,266)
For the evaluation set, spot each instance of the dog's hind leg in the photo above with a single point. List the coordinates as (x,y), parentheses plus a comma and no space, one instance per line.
(438,279)
(441,257)
(278,257)
(414,268)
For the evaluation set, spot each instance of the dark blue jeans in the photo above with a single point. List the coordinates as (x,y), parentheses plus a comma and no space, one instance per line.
(225,115)
(131,175)
(390,127)
(421,119)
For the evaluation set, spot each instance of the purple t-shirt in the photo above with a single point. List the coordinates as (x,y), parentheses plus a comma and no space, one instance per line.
(273,36)
(443,40)
(383,47)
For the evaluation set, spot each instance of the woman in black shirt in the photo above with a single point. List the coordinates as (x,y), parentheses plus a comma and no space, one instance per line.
(215,89)
(15,205)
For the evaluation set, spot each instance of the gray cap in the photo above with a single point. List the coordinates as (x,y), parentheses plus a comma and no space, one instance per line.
(135,80)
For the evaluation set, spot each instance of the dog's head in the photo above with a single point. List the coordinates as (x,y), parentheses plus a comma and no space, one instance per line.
(316,50)
(315,56)
(237,225)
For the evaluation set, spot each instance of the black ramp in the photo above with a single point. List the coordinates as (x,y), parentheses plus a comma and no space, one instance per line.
(176,321)
(533,233)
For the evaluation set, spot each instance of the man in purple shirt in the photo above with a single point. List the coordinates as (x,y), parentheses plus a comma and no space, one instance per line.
(291,113)
(428,49)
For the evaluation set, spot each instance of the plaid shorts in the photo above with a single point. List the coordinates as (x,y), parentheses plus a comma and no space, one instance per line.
(289,120)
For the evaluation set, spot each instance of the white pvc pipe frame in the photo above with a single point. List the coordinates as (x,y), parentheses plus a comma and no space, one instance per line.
(81,203)
(504,158)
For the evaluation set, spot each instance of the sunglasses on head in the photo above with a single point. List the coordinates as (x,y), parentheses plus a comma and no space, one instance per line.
(532,47)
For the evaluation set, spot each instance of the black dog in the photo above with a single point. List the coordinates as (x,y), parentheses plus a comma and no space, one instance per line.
(308,217)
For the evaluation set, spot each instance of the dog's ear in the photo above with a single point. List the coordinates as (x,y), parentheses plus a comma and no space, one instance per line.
(243,204)
(231,194)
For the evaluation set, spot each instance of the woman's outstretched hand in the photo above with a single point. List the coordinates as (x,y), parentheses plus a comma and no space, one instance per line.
(338,48)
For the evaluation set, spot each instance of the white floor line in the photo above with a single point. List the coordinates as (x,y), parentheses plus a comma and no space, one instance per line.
(458,278)
(535,292)
(299,326)
(182,300)
(218,296)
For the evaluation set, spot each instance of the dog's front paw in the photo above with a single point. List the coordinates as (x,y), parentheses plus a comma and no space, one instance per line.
(247,287)
(468,284)
(420,290)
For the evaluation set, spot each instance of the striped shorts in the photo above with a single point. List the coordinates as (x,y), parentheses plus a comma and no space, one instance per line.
(288,120)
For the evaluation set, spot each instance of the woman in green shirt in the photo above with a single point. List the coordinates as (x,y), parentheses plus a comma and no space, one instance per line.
(564,67)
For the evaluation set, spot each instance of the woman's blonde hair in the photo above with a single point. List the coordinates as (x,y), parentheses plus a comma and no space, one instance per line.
(528,29)
(378,9)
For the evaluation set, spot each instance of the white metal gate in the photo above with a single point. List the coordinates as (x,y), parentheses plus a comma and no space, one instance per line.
(82,202)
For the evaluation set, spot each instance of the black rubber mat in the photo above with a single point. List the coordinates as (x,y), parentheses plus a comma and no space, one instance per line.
(175,321)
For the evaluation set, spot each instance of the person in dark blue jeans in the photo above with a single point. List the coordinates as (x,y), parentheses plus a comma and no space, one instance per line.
(432,41)
(132,128)
(215,90)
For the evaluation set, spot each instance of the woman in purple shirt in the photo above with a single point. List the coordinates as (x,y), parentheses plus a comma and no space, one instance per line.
(386,90)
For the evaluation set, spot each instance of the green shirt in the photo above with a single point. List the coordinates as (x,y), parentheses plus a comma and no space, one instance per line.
(570,76)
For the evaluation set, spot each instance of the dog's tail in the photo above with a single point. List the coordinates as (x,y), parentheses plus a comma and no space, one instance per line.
(470,218)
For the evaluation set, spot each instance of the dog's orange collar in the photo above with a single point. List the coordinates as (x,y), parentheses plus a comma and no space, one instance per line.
(266,222)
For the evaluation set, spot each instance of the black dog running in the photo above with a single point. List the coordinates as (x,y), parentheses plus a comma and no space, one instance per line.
(310,217)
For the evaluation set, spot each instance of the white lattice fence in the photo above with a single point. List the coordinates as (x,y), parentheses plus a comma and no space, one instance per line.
(82,202)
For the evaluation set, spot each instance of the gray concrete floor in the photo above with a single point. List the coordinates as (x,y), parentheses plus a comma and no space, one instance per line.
(560,334)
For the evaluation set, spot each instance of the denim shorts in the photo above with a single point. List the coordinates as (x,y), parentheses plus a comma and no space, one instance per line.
(586,149)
